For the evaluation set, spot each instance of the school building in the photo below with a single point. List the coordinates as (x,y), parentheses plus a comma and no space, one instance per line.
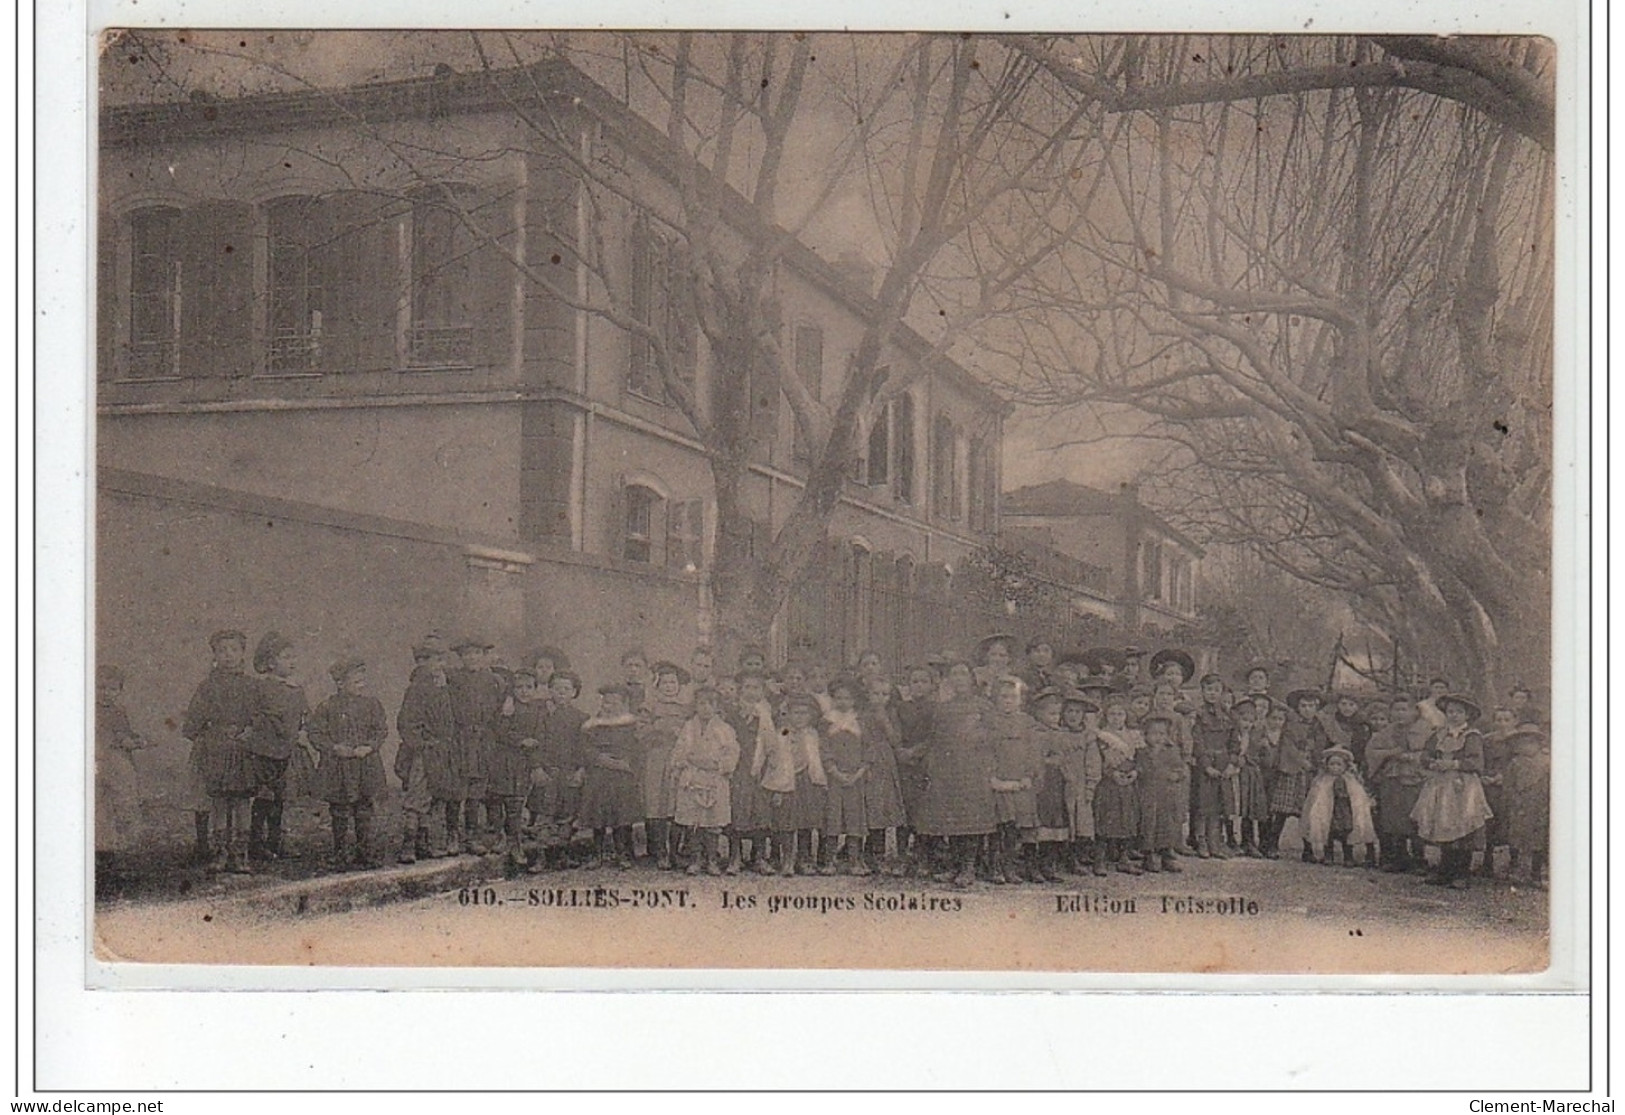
(329,402)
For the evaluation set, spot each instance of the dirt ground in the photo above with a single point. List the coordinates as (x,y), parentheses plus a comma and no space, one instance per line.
(1214,917)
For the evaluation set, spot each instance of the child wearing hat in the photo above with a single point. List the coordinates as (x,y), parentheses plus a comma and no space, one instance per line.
(1526,795)
(558,771)
(521,726)
(280,710)
(426,760)
(1216,765)
(702,762)
(1163,792)
(477,695)
(611,799)
(1394,757)
(217,722)
(118,797)
(1338,811)
(664,720)
(1451,809)
(348,731)
(1064,789)
(1256,758)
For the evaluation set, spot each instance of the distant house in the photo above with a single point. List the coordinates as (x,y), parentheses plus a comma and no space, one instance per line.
(1144,574)
(325,404)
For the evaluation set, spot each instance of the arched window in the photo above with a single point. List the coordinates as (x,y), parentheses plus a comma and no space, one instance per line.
(642,512)
(443,277)
(903,447)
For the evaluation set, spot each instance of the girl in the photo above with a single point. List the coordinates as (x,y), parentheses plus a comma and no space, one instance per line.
(1117,798)
(992,658)
(1526,792)
(790,771)
(1394,757)
(916,713)
(664,720)
(1256,758)
(610,796)
(1297,757)
(1062,751)
(1451,809)
(882,788)
(1164,789)
(1338,810)
(1081,772)
(1018,768)
(701,764)
(844,765)
(958,802)
(118,800)
(348,730)
(1215,767)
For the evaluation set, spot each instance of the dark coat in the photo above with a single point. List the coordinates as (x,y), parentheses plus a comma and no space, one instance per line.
(342,723)
(218,721)
(429,735)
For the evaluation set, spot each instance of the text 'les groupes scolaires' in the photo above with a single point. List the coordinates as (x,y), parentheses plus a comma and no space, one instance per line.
(679,898)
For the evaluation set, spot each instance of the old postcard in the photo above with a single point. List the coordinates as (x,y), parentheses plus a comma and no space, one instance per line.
(947,502)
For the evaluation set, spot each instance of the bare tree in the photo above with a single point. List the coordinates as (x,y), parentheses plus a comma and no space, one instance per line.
(1331,301)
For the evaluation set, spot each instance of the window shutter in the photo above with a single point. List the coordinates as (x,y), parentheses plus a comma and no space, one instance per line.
(217,290)
(107,296)
(495,279)
(362,266)
(903,438)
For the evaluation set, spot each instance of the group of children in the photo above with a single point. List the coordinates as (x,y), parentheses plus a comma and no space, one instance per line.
(960,769)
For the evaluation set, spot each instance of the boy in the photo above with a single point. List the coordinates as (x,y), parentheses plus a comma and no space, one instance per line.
(1527,800)
(1216,766)
(217,721)
(520,728)
(915,727)
(610,799)
(558,770)
(1394,756)
(280,710)
(348,730)
(426,761)
(477,694)
(752,720)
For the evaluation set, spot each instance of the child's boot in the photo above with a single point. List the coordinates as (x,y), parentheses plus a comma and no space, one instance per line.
(787,853)
(257,824)
(1169,863)
(237,855)
(364,857)
(339,822)
(736,855)
(858,865)
(409,847)
(1097,867)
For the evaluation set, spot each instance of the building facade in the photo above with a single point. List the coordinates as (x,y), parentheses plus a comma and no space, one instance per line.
(339,392)
(1144,574)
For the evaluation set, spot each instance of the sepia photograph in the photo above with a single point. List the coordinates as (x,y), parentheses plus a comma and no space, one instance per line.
(934,502)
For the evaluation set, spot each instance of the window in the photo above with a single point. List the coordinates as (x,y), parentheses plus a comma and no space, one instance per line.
(658,280)
(903,446)
(443,278)
(809,358)
(641,505)
(685,535)
(981,484)
(879,456)
(1152,585)
(155,294)
(945,468)
(297,233)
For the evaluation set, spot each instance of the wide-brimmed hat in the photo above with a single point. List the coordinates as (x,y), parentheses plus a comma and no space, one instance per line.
(1079,697)
(1187,664)
(1049,692)
(1101,660)
(1530,731)
(1466,702)
(1297,695)
(1342,752)
(984,645)
(667,666)
(1153,717)
(346,666)
(270,648)
(1100,690)
(614,689)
